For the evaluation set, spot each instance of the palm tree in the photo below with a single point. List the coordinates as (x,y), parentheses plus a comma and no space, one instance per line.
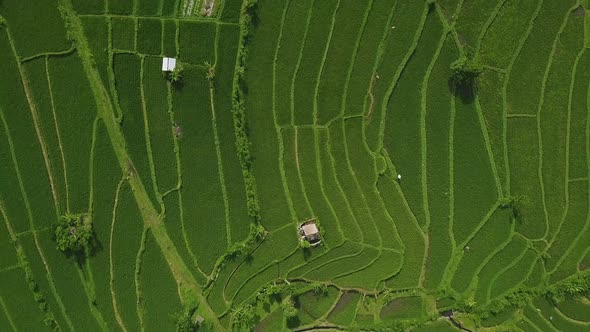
(175,76)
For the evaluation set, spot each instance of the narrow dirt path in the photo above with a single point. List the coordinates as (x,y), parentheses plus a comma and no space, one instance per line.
(111,267)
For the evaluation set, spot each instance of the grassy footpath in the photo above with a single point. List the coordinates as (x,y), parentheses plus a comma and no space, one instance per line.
(190,291)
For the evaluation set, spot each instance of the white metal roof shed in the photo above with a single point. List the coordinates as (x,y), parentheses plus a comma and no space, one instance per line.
(168,64)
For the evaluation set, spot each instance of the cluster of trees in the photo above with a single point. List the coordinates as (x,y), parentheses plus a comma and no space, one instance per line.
(73,233)
(465,71)
(244,317)
(185,323)
(280,291)
(578,285)
(572,287)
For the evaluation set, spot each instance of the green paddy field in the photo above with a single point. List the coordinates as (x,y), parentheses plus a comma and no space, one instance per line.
(432,200)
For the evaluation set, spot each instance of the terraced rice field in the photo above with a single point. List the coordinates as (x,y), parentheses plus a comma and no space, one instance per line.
(428,199)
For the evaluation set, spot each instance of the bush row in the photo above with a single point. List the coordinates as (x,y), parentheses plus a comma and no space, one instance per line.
(48,318)
(238,110)
(572,287)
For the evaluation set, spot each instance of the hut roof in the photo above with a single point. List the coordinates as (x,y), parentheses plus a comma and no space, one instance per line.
(168,64)
(310,229)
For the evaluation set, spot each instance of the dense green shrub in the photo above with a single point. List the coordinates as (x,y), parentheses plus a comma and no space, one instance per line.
(244,316)
(73,233)
(464,74)
(238,109)
(288,307)
(578,285)
(175,76)
(184,322)
(466,70)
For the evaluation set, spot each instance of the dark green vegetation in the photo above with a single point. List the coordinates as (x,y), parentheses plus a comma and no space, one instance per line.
(443,146)
(73,233)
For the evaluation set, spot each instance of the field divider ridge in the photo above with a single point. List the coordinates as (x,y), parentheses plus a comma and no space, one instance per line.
(397,75)
(451,27)
(111,267)
(229,302)
(321,182)
(88,284)
(368,108)
(191,291)
(69,51)
(300,177)
(137,278)
(423,138)
(58,134)
(274,112)
(567,168)
(22,262)
(452,177)
(483,127)
(505,93)
(457,252)
(35,117)
(539,108)
(179,184)
(487,25)
(537,312)
(219,161)
(7,314)
(533,325)
(24,195)
(146,132)
(352,61)
(320,72)
(297,66)
(335,178)
(486,137)
(475,280)
(111,73)
(507,267)
(357,184)
(424,235)
(365,203)
(337,181)
(89,289)
(376,191)
(587,224)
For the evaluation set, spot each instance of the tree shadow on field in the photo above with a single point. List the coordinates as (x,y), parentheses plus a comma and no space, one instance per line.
(243,85)
(306,254)
(94,247)
(252,12)
(249,259)
(466,91)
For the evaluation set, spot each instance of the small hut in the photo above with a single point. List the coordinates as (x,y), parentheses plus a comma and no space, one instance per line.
(199,320)
(309,232)
(168,64)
